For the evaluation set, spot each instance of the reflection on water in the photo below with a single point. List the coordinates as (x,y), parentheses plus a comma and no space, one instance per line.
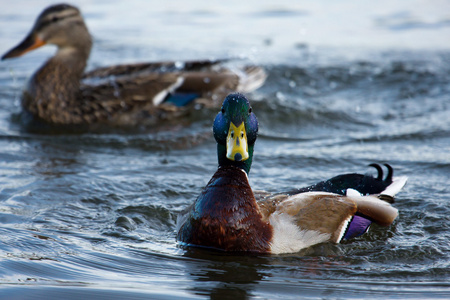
(94,214)
(219,274)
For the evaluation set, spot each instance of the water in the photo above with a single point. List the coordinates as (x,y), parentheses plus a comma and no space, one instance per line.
(350,83)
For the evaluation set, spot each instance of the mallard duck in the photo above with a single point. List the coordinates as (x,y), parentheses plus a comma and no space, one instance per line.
(125,95)
(229,216)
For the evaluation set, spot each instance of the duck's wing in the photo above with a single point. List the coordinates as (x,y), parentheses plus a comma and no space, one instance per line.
(325,213)
(176,83)
(152,67)
(130,101)
(149,89)
(152,83)
(329,216)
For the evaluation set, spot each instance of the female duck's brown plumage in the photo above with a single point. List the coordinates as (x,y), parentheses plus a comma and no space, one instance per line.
(229,216)
(125,95)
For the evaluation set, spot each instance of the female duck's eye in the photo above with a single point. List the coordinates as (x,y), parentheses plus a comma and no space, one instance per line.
(55,19)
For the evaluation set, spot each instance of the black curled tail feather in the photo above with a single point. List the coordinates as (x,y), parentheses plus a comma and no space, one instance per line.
(379,170)
(389,175)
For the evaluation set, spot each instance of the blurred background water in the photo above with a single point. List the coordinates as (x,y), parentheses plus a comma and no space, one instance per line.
(350,83)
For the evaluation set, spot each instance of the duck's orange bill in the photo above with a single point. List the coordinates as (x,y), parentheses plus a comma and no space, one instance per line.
(31,42)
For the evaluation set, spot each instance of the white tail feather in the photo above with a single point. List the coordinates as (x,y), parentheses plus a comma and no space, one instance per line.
(250,79)
(352,192)
(397,184)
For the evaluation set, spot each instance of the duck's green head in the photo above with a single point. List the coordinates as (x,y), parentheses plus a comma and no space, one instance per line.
(235,130)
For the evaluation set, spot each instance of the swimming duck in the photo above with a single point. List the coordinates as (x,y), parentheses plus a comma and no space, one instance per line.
(229,216)
(125,95)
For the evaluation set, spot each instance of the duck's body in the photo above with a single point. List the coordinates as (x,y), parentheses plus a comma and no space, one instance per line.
(222,219)
(227,215)
(59,93)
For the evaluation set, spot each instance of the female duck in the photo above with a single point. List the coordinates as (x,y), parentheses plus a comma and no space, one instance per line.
(228,216)
(125,95)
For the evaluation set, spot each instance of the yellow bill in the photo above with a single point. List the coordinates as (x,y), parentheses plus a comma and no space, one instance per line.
(237,148)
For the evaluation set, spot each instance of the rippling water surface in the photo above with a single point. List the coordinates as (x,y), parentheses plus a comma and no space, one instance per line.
(93,215)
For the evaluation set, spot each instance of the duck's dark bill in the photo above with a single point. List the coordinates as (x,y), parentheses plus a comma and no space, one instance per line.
(237,148)
(29,43)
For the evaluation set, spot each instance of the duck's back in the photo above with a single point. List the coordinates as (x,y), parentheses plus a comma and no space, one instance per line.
(364,184)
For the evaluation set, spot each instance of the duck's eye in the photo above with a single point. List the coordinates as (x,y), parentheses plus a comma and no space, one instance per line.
(232,134)
(250,110)
(242,135)
(55,19)
(223,110)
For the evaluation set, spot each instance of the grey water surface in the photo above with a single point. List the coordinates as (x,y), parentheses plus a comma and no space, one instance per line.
(350,83)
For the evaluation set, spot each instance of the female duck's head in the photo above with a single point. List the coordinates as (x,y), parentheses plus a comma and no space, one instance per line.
(235,130)
(61,25)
